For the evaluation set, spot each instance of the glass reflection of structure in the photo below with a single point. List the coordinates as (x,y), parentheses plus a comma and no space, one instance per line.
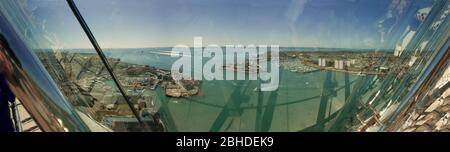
(351,90)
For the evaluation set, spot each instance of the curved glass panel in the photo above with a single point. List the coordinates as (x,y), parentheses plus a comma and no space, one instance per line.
(53,33)
(345,65)
(258,65)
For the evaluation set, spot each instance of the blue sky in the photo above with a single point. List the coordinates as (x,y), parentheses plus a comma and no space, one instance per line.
(166,23)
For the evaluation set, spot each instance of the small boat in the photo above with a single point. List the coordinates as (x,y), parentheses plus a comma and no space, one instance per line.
(361,74)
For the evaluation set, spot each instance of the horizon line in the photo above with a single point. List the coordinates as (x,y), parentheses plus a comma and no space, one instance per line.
(220,46)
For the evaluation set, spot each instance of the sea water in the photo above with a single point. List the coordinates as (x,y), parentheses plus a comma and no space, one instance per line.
(302,100)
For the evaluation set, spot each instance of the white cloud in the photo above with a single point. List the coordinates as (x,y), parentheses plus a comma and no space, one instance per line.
(395,10)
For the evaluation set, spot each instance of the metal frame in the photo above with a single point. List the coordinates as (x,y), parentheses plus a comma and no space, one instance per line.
(99,51)
(424,84)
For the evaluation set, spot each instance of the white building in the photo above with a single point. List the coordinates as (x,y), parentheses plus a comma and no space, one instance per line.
(322,62)
(339,64)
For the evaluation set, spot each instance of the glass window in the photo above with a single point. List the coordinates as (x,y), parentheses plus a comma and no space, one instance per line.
(337,65)
(50,29)
(345,65)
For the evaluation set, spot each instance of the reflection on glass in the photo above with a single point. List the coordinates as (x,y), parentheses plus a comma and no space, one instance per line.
(344,65)
(366,58)
(78,72)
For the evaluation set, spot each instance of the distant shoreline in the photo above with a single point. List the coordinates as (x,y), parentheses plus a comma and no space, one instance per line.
(282,49)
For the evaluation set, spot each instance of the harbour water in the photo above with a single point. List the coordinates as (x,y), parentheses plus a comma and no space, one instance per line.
(303,100)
